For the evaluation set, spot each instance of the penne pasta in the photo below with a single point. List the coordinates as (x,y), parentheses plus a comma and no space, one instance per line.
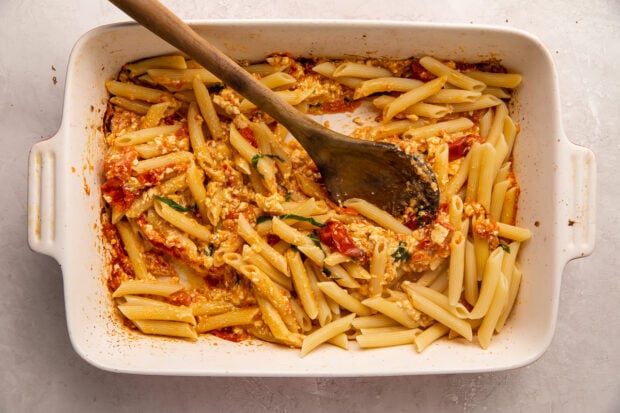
(204,102)
(142,287)
(456,270)
(361,70)
(344,299)
(134,249)
(194,126)
(442,300)
(453,76)
(145,135)
(392,310)
(177,79)
(327,69)
(374,321)
(429,336)
(387,339)
(470,274)
(168,62)
(276,325)
(513,232)
(385,84)
(513,289)
(232,318)
(507,80)
(453,96)
(163,161)
(433,310)
(267,251)
(166,328)
(137,92)
(378,263)
(325,333)
(182,222)
(158,312)
(278,80)
(377,215)
(412,97)
(490,278)
(483,102)
(498,303)
(302,284)
(448,126)
(217,222)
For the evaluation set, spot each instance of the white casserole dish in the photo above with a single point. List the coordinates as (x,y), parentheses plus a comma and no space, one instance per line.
(557,200)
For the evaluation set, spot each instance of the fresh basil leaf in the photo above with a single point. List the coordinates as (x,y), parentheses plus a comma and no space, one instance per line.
(401,253)
(258,157)
(505,247)
(317,242)
(287,194)
(302,218)
(263,218)
(209,250)
(315,239)
(174,205)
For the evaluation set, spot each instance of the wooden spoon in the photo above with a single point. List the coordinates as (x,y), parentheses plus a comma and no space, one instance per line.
(351,168)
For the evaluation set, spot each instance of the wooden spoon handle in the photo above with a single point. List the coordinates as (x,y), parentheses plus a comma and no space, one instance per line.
(161,21)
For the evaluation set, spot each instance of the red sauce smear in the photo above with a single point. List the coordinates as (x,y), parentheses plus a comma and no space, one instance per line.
(120,196)
(420,73)
(181,297)
(228,334)
(248,134)
(118,164)
(120,264)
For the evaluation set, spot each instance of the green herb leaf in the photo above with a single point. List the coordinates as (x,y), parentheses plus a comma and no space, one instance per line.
(401,253)
(327,272)
(302,218)
(263,218)
(287,194)
(174,205)
(315,239)
(209,250)
(258,157)
(317,242)
(505,247)
(217,88)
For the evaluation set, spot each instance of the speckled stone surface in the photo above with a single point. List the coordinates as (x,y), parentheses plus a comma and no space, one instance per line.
(40,371)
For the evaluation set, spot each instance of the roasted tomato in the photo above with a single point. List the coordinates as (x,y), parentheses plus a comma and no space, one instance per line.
(335,235)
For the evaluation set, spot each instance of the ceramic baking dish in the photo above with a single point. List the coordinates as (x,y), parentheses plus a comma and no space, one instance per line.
(557,200)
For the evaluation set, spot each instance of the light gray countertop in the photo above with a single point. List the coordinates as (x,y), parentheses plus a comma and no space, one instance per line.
(41,372)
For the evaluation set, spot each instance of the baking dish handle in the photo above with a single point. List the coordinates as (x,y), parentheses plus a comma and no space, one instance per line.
(581,201)
(42,183)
